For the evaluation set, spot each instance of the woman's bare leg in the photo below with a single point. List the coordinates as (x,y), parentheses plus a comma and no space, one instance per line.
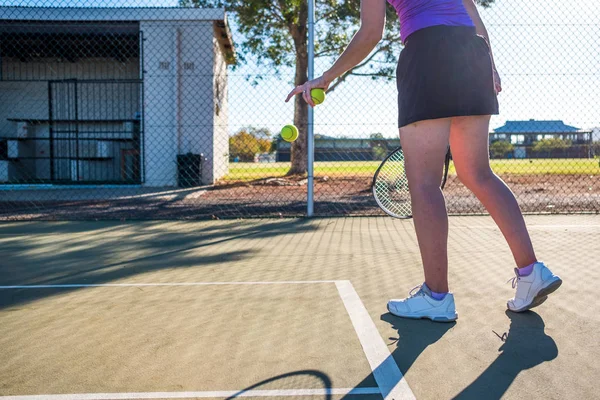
(469,141)
(425,144)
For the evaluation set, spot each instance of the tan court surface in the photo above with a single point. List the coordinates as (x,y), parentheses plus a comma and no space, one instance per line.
(293,336)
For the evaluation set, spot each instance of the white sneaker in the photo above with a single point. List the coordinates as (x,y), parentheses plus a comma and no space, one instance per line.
(533,289)
(422,305)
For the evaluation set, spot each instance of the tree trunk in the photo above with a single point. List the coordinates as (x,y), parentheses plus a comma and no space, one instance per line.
(299,147)
(299,154)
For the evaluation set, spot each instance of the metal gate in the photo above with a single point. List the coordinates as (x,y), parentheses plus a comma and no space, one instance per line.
(95,131)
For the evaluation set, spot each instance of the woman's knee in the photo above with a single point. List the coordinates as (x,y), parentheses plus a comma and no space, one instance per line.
(424,189)
(473,178)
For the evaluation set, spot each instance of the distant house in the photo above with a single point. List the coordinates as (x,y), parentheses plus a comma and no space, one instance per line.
(343,149)
(524,134)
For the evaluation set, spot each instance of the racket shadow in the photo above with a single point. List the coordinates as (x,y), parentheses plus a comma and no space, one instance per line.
(295,376)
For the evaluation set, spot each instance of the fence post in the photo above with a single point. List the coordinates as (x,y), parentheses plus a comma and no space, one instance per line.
(310,131)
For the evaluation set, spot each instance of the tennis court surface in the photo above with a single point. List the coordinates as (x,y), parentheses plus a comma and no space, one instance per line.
(288,308)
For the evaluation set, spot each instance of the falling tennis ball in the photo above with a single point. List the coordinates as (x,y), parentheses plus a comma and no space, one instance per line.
(318,95)
(289,133)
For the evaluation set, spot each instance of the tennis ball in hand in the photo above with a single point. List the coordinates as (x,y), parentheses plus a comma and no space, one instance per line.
(289,133)
(318,95)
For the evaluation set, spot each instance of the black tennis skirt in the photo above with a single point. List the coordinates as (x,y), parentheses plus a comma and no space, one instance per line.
(445,71)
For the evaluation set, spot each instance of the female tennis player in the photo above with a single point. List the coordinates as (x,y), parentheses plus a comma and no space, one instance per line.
(447,90)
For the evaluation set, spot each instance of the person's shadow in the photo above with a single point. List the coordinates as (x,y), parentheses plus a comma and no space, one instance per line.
(414,336)
(524,346)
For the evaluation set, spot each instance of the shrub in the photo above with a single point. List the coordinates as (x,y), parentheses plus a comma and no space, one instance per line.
(501,148)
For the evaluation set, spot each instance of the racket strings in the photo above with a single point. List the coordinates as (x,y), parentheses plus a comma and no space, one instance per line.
(391,187)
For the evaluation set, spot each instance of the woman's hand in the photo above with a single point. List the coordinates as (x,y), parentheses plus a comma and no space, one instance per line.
(305,89)
(497,82)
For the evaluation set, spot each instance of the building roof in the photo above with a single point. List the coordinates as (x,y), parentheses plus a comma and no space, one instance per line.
(533,126)
(123,14)
(111,14)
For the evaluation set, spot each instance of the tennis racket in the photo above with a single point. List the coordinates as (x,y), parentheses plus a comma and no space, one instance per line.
(390,186)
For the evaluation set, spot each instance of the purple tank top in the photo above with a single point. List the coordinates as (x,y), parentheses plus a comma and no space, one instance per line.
(419,14)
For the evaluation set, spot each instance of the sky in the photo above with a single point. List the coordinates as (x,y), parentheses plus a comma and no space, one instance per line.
(547,53)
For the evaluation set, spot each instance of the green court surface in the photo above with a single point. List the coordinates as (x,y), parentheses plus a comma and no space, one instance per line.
(576,166)
(288,309)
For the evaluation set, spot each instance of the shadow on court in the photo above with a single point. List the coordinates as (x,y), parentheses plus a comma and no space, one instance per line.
(88,255)
(414,336)
(525,346)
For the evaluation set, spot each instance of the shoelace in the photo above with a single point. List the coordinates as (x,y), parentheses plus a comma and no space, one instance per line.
(514,281)
(412,291)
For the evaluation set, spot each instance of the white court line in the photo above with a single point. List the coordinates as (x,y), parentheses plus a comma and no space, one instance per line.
(83,285)
(191,395)
(392,384)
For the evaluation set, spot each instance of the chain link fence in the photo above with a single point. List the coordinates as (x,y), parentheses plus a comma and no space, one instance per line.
(149,109)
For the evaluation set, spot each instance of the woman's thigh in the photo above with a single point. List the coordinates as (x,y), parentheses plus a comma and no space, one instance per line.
(469,141)
(425,144)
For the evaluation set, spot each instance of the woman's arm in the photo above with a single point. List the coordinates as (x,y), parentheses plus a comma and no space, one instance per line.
(372,23)
(480,30)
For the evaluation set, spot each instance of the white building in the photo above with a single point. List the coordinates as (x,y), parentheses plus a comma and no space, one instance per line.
(113,95)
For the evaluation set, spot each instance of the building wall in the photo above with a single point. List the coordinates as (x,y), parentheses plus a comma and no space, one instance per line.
(160,140)
(21,100)
(220,110)
(196,99)
(179,98)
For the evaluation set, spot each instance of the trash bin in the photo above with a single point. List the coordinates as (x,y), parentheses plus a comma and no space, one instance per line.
(189,170)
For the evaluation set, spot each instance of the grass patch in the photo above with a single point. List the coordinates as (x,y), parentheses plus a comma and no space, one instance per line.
(567,166)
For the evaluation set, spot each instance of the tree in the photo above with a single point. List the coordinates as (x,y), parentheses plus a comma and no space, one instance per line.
(378,146)
(550,145)
(276,33)
(248,142)
(500,148)
(596,149)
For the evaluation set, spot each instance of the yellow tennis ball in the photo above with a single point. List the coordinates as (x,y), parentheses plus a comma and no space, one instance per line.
(318,95)
(289,133)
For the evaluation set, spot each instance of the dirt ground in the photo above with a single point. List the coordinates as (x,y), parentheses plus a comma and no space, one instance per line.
(277,197)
